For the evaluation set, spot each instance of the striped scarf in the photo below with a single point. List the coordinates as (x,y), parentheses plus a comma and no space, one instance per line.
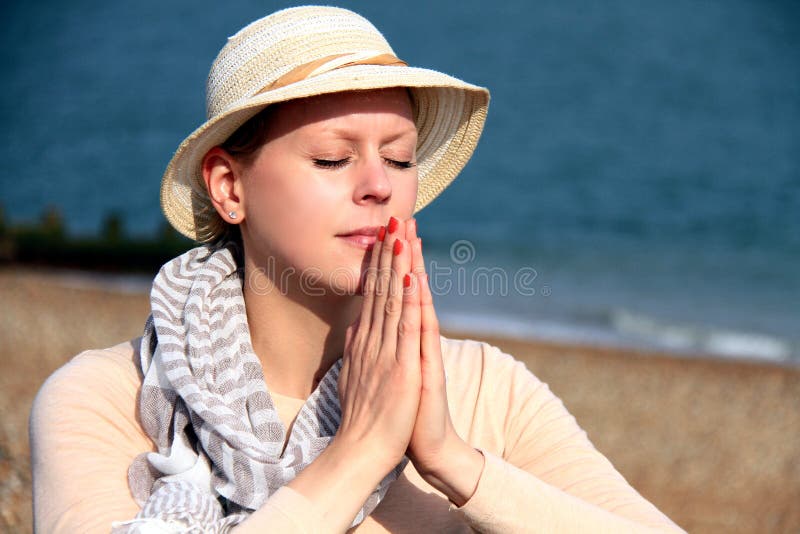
(205,405)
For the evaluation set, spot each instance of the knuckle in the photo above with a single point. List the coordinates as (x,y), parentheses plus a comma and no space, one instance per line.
(393,306)
(431,324)
(406,327)
(432,329)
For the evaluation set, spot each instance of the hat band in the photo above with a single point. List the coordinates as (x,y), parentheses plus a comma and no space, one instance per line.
(329,63)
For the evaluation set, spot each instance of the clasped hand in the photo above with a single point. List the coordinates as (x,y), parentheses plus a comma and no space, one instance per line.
(392,385)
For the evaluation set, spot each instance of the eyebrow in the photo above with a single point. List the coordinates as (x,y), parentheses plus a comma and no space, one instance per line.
(349,135)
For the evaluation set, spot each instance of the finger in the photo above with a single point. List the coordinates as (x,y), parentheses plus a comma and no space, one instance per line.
(430,342)
(411,237)
(383,277)
(351,358)
(411,229)
(408,329)
(395,300)
(350,333)
(344,375)
(350,346)
(417,261)
(370,278)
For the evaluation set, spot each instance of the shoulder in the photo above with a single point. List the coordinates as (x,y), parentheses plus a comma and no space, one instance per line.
(470,360)
(466,349)
(95,384)
(114,367)
(84,434)
(500,406)
(488,387)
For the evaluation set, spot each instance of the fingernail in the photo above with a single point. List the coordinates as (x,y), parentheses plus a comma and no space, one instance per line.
(393,224)
(381,233)
(398,247)
(407,280)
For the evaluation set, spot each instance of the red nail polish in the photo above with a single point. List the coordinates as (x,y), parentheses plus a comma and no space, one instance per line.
(398,247)
(381,233)
(393,224)
(407,280)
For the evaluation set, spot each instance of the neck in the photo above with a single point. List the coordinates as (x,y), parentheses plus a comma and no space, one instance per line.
(297,336)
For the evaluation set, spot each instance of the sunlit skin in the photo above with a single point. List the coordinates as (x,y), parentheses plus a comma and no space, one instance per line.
(290,210)
(332,164)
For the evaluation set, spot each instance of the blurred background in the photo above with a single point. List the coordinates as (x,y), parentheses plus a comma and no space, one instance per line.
(640,162)
(642,157)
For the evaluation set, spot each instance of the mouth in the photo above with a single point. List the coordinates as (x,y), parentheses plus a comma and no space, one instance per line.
(362,238)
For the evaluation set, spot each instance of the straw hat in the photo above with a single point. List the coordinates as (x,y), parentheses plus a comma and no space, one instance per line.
(306,51)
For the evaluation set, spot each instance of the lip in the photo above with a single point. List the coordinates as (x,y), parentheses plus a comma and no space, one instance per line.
(362,238)
(364,230)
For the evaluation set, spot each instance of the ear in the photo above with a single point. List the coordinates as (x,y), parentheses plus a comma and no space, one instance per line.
(222,175)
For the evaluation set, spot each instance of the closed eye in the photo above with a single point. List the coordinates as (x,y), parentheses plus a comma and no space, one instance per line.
(331,163)
(400,164)
(337,163)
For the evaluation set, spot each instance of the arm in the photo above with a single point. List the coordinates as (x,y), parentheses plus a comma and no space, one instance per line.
(85,433)
(325,496)
(550,476)
(547,473)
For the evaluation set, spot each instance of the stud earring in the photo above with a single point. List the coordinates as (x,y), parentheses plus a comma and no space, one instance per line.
(232,214)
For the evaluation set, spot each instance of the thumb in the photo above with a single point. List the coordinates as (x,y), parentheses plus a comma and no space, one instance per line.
(350,332)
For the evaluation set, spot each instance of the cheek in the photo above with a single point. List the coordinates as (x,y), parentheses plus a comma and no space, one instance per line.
(407,191)
(291,216)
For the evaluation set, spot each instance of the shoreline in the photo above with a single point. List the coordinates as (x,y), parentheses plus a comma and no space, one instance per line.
(711,442)
(139,284)
(546,345)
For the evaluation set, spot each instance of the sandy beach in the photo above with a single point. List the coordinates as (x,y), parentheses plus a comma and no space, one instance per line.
(714,444)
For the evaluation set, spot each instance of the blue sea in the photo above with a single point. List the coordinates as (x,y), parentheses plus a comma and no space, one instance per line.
(637,184)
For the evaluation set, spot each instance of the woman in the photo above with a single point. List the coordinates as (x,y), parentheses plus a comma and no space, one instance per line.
(291,376)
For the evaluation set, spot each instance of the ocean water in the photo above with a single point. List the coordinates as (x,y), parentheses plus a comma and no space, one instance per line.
(638,181)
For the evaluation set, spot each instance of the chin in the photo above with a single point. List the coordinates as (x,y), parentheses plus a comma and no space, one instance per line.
(339,281)
(346,276)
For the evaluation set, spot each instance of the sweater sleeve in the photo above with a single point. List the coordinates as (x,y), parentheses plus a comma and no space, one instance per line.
(543,472)
(84,435)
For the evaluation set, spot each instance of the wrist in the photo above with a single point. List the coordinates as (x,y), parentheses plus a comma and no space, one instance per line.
(340,480)
(362,454)
(456,471)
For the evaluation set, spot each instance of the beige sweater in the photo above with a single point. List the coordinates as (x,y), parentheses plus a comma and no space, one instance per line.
(541,472)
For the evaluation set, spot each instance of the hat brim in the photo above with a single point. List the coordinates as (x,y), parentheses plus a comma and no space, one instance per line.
(449,114)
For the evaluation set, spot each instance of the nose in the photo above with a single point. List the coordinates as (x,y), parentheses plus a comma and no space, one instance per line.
(372,182)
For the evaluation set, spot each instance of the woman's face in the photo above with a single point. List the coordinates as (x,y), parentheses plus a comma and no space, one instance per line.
(334,168)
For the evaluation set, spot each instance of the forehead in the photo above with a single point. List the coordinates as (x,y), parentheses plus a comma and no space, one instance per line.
(394,102)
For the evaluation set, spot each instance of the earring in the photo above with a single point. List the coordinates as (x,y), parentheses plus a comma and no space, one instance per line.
(232,214)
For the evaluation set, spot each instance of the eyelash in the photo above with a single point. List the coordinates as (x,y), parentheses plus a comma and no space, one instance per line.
(336,164)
